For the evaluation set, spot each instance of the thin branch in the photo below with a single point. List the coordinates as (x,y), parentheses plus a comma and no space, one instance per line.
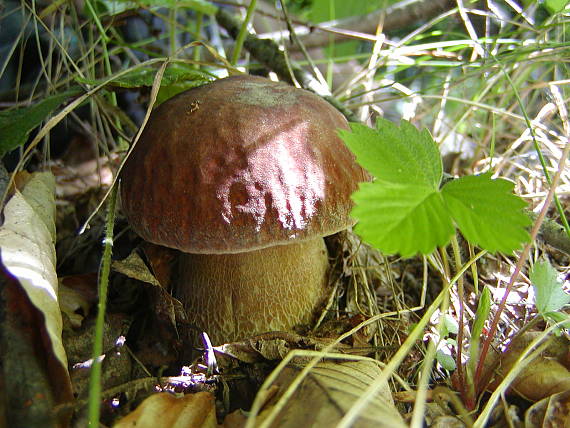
(268,53)
(397,16)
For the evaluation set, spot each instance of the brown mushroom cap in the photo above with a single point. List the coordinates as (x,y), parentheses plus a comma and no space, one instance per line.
(239,164)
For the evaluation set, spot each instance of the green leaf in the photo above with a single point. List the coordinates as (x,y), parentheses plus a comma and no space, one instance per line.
(451,326)
(555,6)
(401,155)
(549,294)
(487,212)
(168,91)
(15,125)
(483,310)
(446,360)
(144,76)
(404,211)
(482,314)
(401,218)
(119,6)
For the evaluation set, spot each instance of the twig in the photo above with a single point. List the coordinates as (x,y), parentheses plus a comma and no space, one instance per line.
(398,16)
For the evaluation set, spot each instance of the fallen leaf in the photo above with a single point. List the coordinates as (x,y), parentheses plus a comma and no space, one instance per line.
(27,240)
(165,410)
(327,394)
(553,411)
(34,361)
(547,374)
(134,267)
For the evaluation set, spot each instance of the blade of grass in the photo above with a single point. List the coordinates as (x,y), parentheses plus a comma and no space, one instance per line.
(94,407)
(243,32)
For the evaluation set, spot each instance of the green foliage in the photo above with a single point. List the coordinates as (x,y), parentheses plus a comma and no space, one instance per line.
(16,125)
(446,360)
(482,314)
(487,212)
(176,78)
(119,6)
(404,210)
(549,294)
(555,6)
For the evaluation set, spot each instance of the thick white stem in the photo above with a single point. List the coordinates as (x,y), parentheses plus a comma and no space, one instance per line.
(234,296)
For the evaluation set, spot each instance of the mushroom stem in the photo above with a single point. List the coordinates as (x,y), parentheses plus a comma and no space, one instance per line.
(234,296)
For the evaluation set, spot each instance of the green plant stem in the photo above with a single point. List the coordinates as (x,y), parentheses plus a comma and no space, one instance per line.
(243,32)
(461,297)
(198,31)
(172,33)
(95,375)
(427,366)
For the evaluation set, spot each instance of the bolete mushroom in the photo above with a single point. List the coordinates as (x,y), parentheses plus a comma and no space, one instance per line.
(245,176)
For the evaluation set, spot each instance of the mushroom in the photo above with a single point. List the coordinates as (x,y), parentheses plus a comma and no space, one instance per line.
(245,176)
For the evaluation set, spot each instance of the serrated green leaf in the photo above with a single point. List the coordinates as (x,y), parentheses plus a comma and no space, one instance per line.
(15,125)
(549,294)
(401,155)
(400,218)
(487,212)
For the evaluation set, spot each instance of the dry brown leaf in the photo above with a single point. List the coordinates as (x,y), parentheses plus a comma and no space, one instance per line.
(161,261)
(134,267)
(165,410)
(73,181)
(27,240)
(544,376)
(34,361)
(77,294)
(326,395)
(276,345)
(553,411)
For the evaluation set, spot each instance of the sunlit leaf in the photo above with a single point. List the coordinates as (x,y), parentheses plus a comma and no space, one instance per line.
(27,249)
(144,76)
(401,155)
(487,212)
(404,211)
(120,6)
(550,296)
(555,6)
(404,219)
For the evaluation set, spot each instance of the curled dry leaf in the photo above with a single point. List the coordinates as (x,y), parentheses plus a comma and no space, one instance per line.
(27,240)
(168,411)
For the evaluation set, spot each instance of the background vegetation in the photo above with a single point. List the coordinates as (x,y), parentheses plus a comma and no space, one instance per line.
(455,328)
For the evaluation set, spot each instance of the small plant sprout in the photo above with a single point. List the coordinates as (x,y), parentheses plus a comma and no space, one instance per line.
(406,210)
